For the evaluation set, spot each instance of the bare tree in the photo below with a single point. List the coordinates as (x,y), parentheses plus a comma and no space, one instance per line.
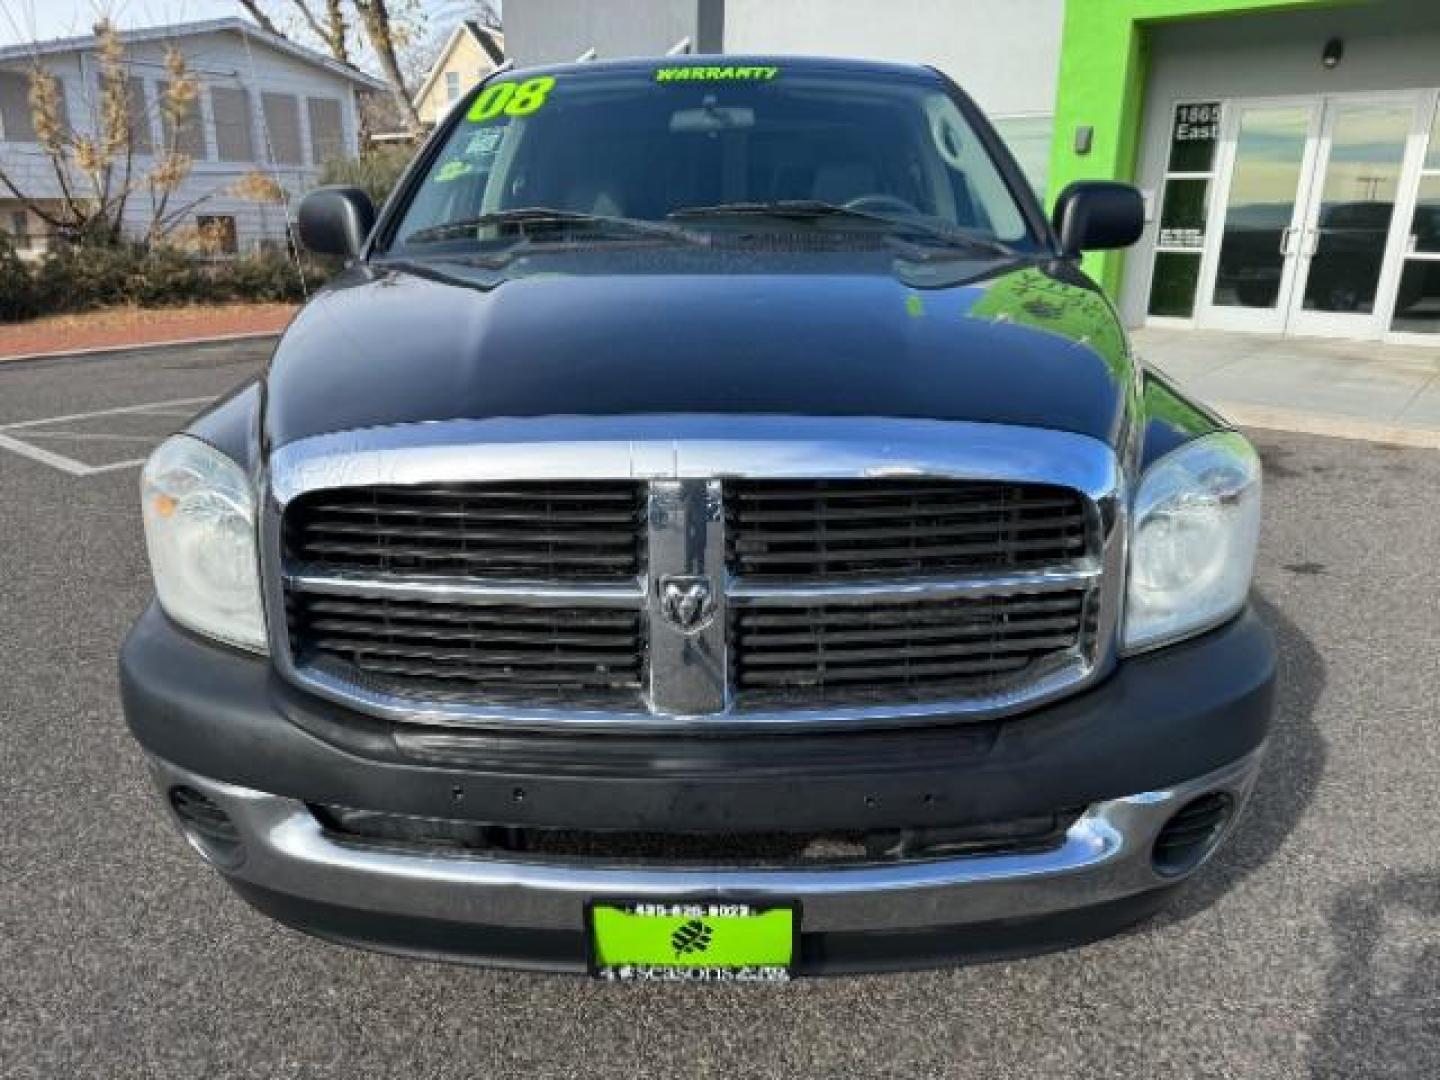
(382,35)
(485,12)
(262,19)
(329,26)
(388,27)
(94,168)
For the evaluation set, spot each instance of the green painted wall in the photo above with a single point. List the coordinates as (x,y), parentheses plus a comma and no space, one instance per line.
(1104,63)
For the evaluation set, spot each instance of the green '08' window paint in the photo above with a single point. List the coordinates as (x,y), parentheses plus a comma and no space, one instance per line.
(511,99)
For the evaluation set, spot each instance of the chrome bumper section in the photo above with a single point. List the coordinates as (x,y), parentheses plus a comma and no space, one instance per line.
(1106,856)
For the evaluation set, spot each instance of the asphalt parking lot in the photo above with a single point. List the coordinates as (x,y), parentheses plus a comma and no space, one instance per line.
(1310,948)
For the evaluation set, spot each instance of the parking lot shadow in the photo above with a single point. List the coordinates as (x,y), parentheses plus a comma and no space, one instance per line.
(1382,1018)
(1291,773)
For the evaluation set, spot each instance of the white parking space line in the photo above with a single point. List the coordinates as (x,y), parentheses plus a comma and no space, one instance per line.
(107,412)
(45,457)
(70,466)
(84,436)
(112,466)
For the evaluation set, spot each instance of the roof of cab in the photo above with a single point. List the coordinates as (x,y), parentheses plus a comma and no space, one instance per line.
(786,62)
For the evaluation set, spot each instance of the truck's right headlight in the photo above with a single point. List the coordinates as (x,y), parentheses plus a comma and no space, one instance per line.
(200,531)
(1194,528)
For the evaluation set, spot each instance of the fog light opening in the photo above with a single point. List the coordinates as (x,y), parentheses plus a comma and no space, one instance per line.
(207,827)
(1192,833)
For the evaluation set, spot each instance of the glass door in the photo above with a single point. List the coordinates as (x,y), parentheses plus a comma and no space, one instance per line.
(1417,297)
(1351,227)
(1267,157)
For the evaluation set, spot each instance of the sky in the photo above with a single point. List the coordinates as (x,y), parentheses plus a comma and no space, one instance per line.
(32,20)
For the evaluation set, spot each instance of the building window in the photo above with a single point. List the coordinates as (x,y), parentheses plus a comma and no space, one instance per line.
(187,135)
(218,234)
(1028,138)
(452,85)
(16,122)
(1184,199)
(138,115)
(1417,305)
(230,109)
(282,122)
(19,229)
(327,135)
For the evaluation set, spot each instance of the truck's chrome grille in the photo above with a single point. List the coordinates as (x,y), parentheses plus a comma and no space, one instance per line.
(581,656)
(816,529)
(682,573)
(558,531)
(922,650)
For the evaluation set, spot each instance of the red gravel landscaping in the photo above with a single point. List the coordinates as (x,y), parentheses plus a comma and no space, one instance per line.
(118,327)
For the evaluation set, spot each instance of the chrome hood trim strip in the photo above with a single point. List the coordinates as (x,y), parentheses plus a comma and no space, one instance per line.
(691,447)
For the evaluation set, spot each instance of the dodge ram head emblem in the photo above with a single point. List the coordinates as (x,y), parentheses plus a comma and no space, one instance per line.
(688,603)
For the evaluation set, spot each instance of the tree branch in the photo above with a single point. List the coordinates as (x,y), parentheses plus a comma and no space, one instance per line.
(30,204)
(262,20)
(311,21)
(375,18)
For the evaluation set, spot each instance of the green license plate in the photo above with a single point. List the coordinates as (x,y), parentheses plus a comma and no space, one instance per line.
(691,941)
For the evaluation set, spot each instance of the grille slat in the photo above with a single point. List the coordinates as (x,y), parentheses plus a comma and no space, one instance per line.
(578,536)
(821,529)
(840,510)
(492,514)
(340,629)
(802,658)
(588,491)
(541,533)
(479,656)
(915,650)
(937,531)
(544,531)
(494,617)
(882,673)
(920,615)
(507,653)
(860,637)
(331,552)
(925,549)
(496,678)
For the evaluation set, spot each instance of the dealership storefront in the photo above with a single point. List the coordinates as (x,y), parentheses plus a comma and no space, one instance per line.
(1302,215)
(1290,156)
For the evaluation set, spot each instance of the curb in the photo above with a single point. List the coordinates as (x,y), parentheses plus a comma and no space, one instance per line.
(101,350)
(1335,427)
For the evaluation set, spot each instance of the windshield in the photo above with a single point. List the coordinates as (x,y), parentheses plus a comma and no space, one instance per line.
(699,146)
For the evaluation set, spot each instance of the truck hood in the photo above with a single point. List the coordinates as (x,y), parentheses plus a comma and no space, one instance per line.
(1015,343)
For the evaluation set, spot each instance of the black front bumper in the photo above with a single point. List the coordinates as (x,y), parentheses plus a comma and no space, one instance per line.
(1162,728)
(1161,718)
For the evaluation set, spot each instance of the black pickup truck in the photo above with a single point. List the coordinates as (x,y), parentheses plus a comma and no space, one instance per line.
(712,530)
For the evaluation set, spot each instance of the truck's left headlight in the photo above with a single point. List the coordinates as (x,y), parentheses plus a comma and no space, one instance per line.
(1194,529)
(199,513)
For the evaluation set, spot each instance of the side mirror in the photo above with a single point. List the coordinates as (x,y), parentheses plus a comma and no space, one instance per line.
(1095,215)
(336,221)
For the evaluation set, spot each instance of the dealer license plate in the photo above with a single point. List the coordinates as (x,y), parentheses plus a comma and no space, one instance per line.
(693,941)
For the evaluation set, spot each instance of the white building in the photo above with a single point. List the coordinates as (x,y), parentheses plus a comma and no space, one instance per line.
(266,105)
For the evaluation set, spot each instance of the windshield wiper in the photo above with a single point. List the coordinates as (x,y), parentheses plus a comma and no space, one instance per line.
(815,209)
(528,219)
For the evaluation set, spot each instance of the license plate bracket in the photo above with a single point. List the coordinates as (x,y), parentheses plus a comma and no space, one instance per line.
(689,940)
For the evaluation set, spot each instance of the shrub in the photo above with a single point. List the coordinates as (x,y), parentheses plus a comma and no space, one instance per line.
(73,279)
(18,295)
(377,171)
